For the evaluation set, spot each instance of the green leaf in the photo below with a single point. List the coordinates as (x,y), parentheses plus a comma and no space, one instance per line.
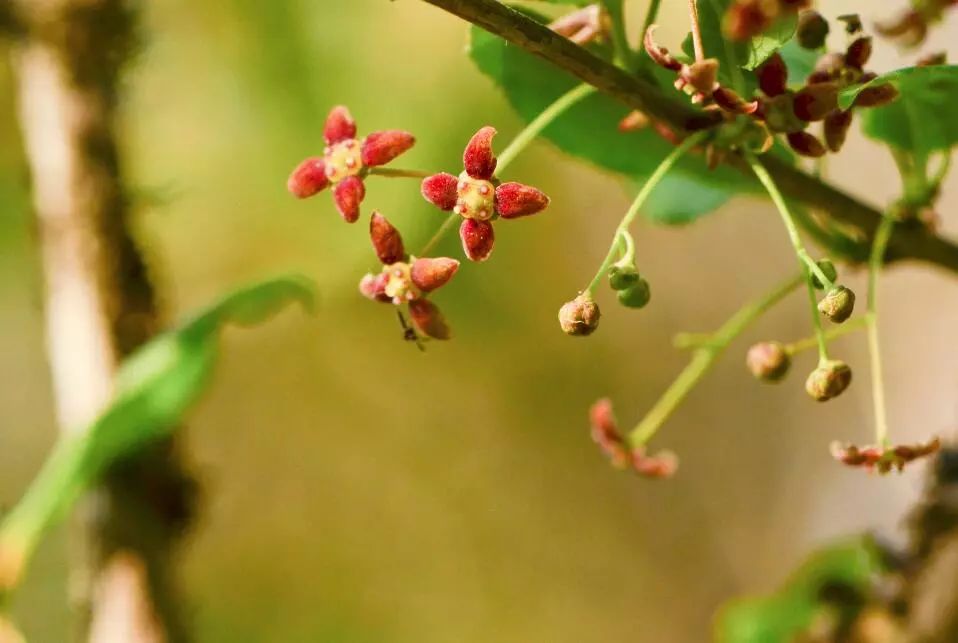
(782,616)
(154,388)
(919,120)
(589,129)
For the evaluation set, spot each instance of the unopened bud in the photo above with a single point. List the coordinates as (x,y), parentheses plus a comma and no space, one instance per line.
(773,75)
(812,30)
(580,316)
(876,96)
(635,296)
(768,361)
(622,276)
(805,144)
(828,269)
(829,380)
(838,304)
(859,52)
(815,102)
(836,129)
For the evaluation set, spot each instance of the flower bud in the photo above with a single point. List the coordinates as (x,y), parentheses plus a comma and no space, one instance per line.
(829,270)
(622,276)
(635,296)
(836,129)
(428,320)
(580,316)
(815,102)
(876,96)
(859,52)
(838,304)
(805,144)
(768,361)
(387,242)
(829,380)
(812,30)
(773,75)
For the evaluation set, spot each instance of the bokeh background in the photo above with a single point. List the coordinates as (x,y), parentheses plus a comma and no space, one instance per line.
(358,491)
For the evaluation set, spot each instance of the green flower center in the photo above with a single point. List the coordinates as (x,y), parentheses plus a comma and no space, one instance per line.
(400,287)
(343,159)
(477,198)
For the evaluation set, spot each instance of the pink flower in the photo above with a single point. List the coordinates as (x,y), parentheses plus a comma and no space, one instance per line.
(346,162)
(883,458)
(479,197)
(605,433)
(405,280)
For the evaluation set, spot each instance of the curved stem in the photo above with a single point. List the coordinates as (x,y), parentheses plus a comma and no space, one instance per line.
(703,358)
(871,317)
(396,173)
(650,15)
(667,164)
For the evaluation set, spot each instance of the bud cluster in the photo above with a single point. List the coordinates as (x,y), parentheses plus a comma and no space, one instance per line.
(632,290)
(883,459)
(605,433)
(910,28)
(747,18)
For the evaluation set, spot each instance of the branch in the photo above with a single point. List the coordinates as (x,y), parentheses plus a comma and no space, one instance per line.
(909,241)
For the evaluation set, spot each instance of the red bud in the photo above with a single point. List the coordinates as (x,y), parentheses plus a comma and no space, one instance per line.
(308,178)
(339,125)
(349,193)
(517,200)
(429,274)
(478,159)
(386,239)
(477,239)
(380,148)
(427,318)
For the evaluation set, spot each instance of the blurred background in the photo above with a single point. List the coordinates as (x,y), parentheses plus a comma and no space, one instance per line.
(356,490)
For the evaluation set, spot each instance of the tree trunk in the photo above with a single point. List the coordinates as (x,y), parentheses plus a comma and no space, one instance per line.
(99,303)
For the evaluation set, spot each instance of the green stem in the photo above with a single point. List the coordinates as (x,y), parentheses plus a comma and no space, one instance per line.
(395,173)
(623,53)
(702,360)
(667,164)
(519,143)
(808,265)
(804,344)
(696,31)
(874,347)
(650,15)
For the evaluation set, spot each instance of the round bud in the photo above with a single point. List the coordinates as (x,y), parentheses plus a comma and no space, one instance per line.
(768,361)
(635,296)
(623,276)
(829,270)
(580,316)
(838,304)
(829,380)
(812,30)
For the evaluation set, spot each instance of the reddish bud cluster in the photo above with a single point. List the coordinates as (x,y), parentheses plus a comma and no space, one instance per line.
(883,458)
(747,18)
(479,197)
(605,433)
(910,28)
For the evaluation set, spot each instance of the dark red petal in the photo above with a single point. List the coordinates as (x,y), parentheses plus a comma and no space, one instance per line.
(374,287)
(773,76)
(339,125)
(380,148)
(440,190)
(478,159)
(427,318)
(308,178)
(386,239)
(349,193)
(805,144)
(815,102)
(477,239)
(429,274)
(518,200)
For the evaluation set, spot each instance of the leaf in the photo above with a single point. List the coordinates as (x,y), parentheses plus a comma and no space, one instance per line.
(782,616)
(919,120)
(589,129)
(154,388)
(679,199)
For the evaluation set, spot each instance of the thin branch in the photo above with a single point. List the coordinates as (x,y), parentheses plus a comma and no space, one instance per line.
(909,241)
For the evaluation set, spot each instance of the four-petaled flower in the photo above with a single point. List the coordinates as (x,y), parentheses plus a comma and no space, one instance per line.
(883,458)
(346,162)
(479,197)
(406,280)
(605,433)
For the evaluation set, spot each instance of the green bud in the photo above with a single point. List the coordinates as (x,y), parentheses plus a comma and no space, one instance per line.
(828,269)
(636,296)
(838,304)
(622,276)
(829,380)
(580,316)
(768,361)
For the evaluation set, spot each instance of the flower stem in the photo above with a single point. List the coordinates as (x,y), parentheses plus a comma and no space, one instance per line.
(650,15)
(696,31)
(809,267)
(623,228)
(519,143)
(395,173)
(851,326)
(875,261)
(623,53)
(703,358)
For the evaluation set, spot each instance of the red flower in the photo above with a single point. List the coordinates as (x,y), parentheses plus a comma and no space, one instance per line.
(883,459)
(406,280)
(479,197)
(346,162)
(605,433)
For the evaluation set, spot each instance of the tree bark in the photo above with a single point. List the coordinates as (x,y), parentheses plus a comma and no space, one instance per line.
(99,302)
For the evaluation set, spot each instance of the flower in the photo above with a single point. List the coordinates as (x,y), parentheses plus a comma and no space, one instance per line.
(883,458)
(406,280)
(605,433)
(346,162)
(479,197)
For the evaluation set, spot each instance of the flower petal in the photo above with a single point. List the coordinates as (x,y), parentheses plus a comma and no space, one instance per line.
(374,287)
(339,125)
(429,274)
(427,318)
(478,159)
(518,200)
(380,148)
(386,239)
(349,193)
(477,239)
(308,178)
(440,190)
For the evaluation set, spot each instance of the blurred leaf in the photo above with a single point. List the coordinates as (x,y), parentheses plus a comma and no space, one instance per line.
(679,199)
(780,617)
(917,120)
(800,62)
(154,388)
(589,130)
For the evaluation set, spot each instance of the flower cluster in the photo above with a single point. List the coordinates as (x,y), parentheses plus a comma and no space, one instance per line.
(910,28)
(883,458)
(605,433)
(747,18)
